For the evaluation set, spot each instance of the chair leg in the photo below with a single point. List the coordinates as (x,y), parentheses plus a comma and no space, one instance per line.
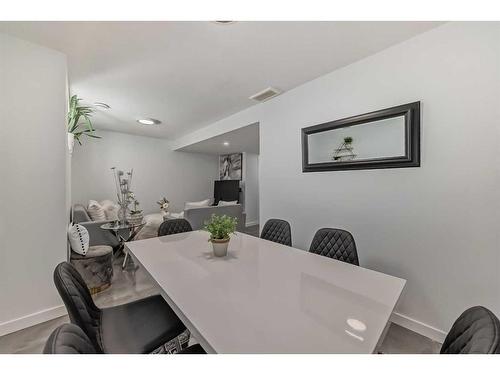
(125,259)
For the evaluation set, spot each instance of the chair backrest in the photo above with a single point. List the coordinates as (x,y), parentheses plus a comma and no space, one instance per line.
(68,339)
(335,243)
(476,331)
(174,226)
(277,230)
(76,297)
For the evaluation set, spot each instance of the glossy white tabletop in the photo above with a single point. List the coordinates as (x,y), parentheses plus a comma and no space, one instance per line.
(268,298)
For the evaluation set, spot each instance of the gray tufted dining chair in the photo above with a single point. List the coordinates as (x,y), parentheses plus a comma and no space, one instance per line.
(277,230)
(336,244)
(476,331)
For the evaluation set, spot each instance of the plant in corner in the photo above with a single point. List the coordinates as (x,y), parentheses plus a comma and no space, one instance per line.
(220,227)
(79,122)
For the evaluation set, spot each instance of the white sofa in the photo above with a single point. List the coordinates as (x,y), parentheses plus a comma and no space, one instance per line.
(197,216)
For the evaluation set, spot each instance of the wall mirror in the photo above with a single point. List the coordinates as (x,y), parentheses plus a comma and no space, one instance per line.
(389,138)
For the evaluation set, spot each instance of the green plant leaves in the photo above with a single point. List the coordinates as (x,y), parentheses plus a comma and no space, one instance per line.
(220,227)
(79,122)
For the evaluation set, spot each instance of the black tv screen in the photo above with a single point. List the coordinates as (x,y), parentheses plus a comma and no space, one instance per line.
(226,190)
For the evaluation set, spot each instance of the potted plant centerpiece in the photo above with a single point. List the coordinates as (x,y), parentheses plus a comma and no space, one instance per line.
(220,227)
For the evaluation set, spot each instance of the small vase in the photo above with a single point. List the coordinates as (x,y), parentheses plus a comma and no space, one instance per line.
(122,215)
(135,218)
(220,247)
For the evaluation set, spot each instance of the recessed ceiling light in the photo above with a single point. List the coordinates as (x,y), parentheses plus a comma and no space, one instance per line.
(224,22)
(148,121)
(226,143)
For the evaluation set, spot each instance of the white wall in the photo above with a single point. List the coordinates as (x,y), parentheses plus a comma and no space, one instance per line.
(158,171)
(437,225)
(32,189)
(251,187)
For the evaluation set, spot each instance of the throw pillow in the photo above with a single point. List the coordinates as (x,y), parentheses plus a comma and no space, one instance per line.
(110,209)
(227,203)
(176,215)
(204,203)
(150,229)
(96,212)
(79,239)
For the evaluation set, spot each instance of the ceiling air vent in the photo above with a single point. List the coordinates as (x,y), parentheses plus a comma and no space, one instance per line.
(266,94)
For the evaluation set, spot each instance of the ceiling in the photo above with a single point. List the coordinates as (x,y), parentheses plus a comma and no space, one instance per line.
(190,74)
(245,139)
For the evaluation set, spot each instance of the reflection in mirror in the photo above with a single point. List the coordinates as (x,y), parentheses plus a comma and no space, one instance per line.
(371,140)
(388,138)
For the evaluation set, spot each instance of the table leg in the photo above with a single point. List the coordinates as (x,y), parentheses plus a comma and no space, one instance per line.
(382,338)
(131,235)
(124,264)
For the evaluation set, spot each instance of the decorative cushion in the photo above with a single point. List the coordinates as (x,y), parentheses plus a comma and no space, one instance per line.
(204,203)
(96,212)
(176,346)
(79,239)
(150,229)
(153,222)
(175,215)
(110,209)
(227,203)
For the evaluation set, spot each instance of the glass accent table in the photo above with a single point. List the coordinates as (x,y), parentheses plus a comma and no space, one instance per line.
(118,230)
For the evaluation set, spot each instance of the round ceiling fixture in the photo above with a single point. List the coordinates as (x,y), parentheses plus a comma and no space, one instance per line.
(226,143)
(224,22)
(149,121)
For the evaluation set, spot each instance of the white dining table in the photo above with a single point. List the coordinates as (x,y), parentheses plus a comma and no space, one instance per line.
(264,297)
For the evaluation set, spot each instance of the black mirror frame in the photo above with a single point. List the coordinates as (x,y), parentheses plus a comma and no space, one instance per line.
(411,113)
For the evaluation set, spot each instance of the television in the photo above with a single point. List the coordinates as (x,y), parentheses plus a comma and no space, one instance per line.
(226,190)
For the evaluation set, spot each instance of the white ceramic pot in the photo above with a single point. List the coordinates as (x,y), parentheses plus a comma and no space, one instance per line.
(220,247)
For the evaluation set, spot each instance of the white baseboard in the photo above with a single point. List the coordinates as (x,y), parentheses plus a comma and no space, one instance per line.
(251,223)
(31,319)
(421,328)
(58,311)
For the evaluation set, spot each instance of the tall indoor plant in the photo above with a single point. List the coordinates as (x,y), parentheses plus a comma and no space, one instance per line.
(79,123)
(220,227)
